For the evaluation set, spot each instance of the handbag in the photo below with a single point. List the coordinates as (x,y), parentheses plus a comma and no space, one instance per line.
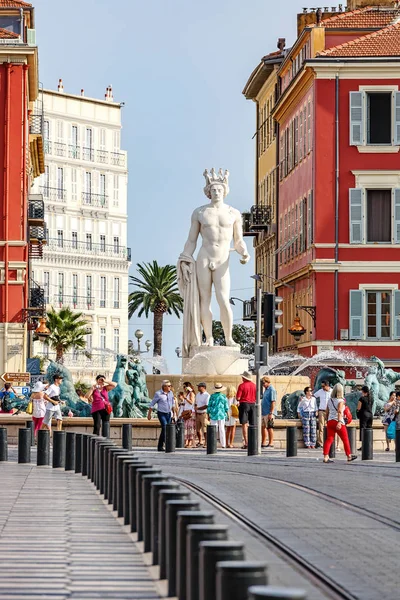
(391,430)
(29,407)
(234,411)
(186,415)
(108,407)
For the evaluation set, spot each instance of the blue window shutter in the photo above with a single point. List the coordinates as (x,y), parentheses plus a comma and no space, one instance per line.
(310,220)
(396,216)
(396,314)
(356,216)
(396,103)
(356,118)
(357,302)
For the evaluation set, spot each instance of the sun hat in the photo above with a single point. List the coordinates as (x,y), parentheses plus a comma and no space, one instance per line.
(246,375)
(39,387)
(165,382)
(218,387)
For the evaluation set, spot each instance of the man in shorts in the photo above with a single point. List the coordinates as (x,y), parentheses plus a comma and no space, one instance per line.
(53,409)
(201,403)
(246,396)
(268,405)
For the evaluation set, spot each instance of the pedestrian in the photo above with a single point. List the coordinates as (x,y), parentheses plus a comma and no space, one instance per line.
(39,405)
(201,402)
(246,396)
(364,411)
(164,398)
(53,408)
(101,406)
(217,410)
(336,424)
(233,414)
(7,396)
(322,396)
(308,413)
(391,410)
(268,411)
(188,414)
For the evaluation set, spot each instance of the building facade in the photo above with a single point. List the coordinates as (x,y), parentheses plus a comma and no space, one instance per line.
(22,159)
(86,260)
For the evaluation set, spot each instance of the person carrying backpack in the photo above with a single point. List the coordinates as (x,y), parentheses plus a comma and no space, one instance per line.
(336,424)
(7,396)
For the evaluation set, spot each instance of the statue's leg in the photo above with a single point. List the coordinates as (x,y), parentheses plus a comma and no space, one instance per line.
(222,285)
(204,281)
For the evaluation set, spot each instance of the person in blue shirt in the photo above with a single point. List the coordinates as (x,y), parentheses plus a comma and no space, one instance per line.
(164,399)
(268,412)
(7,396)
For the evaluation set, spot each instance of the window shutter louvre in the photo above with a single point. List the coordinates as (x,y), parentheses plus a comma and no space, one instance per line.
(356,314)
(310,219)
(356,220)
(396,314)
(356,119)
(397,118)
(396,216)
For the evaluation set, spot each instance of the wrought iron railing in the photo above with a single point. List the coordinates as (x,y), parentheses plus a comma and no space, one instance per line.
(88,154)
(38,234)
(74,151)
(98,200)
(79,360)
(75,302)
(260,217)
(75,247)
(102,156)
(36,124)
(59,149)
(52,193)
(48,146)
(35,207)
(36,295)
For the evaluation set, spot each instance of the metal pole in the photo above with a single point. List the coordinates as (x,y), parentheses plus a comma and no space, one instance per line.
(235,577)
(105,429)
(212,553)
(352,433)
(367,452)
(70,451)
(3,444)
(291,441)
(156,488)
(252,448)
(30,425)
(127,436)
(58,449)
(180,434)
(194,535)
(257,367)
(170,438)
(211,439)
(184,519)
(24,446)
(173,507)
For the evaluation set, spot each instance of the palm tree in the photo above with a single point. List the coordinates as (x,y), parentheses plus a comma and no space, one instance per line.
(158,293)
(68,331)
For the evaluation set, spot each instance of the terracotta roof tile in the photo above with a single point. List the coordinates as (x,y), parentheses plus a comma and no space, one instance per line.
(369,17)
(385,42)
(14,4)
(10,35)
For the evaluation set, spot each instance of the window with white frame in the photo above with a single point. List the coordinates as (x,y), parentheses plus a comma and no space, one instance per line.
(74,184)
(116,245)
(116,190)
(103,292)
(374,216)
(102,186)
(75,289)
(102,243)
(374,314)
(117,287)
(60,183)
(60,238)
(61,288)
(74,240)
(116,341)
(89,342)
(46,286)
(375,117)
(74,150)
(103,338)
(89,244)
(89,290)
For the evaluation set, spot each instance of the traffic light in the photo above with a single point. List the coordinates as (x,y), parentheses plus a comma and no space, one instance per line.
(271,313)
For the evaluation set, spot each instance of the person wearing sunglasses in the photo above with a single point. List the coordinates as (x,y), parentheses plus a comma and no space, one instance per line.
(164,399)
(308,413)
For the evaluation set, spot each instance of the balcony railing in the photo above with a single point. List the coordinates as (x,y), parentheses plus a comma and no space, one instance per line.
(48,146)
(73,360)
(36,295)
(250,310)
(102,156)
(76,152)
(98,200)
(75,247)
(75,302)
(36,124)
(38,235)
(246,224)
(260,217)
(59,149)
(36,209)
(117,159)
(51,193)
(88,154)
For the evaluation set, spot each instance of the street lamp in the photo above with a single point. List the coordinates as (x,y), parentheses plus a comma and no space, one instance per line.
(138,335)
(42,330)
(178,352)
(297,329)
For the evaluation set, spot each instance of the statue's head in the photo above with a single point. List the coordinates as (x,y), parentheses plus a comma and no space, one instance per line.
(216,188)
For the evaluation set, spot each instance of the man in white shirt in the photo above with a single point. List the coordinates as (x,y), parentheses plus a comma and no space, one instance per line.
(201,403)
(323,395)
(53,410)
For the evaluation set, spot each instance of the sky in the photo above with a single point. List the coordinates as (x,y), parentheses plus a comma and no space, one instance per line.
(180,67)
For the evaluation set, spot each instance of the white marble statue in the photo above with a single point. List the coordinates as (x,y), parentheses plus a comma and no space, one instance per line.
(218,224)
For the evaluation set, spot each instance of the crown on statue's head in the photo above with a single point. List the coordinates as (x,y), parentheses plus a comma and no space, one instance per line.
(213,178)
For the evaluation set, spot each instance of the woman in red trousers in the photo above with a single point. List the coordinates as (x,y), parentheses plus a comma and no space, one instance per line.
(336,424)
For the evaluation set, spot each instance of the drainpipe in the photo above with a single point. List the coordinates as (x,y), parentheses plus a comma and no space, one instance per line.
(336,289)
(6,205)
(257,174)
(21,14)
(25,229)
(278,168)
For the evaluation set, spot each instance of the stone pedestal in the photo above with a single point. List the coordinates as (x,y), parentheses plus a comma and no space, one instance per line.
(215,360)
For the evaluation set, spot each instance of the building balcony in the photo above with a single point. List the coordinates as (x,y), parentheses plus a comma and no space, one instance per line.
(97,200)
(96,360)
(102,157)
(36,296)
(88,154)
(52,193)
(35,210)
(48,146)
(36,124)
(117,158)
(37,234)
(246,225)
(260,217)
(250,310)
(74,151)
(100,250)
(59,149)
(74,302)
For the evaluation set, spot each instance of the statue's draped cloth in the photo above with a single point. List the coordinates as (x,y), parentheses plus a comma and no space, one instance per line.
(191,305)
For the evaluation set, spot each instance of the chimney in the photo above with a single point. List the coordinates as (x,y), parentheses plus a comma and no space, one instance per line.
(60,86)
(82,92)
(281,44)
(109,94)
(353,4)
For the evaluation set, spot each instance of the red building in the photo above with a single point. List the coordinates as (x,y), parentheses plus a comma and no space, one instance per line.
(21,159)
(339,185)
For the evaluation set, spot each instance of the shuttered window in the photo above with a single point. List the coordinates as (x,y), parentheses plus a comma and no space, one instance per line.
(374,216)
(310,219)
(396,314)
(374,315)
(374,118)
(356,216)
(357,314)
(356,119)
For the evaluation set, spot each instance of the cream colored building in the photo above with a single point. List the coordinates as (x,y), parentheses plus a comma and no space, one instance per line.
(86,260)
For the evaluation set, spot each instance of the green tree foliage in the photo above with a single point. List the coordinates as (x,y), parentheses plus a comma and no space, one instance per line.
(68,331)
(241,334)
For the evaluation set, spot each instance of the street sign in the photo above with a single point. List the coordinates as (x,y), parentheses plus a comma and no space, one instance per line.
(16,377)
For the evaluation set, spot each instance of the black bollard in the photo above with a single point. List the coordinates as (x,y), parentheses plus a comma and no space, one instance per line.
(212,553)
(114,483)
(367,452)
(211,439)
(84,465)
(163,497)
(110,472)
(103,465)
(173,508)
(397,442)
(43,448)
(269,592)
(78,453)
(147,480)
(252,443)
(24,445)
(93,441)
(352,434)
(127,436)
(291,441)
(332,449)
(98,460)
(132,491)
(156,488)
(139,505)
(194,535)
(170,438)
(121,461)
(185,518)
(31,426)
(105,429)
(180,434)
(58,449)
(235,577)
(125,487)
(70,451)
(3,444)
